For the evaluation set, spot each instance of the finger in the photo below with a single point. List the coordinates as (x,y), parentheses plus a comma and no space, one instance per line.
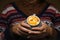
(19,31)
(43,27)
(44,24)
(44,31)
(25,24)
(34,32)
(23,29)
(38,29)
(16,31)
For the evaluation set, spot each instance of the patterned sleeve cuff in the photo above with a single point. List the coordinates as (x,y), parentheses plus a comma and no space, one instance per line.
(50,24)
(47,20)
(2,28)
(57,26)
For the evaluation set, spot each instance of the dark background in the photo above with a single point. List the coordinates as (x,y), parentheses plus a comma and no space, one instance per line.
(4,2)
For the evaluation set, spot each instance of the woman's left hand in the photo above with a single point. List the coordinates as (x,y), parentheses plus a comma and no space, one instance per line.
(39,31)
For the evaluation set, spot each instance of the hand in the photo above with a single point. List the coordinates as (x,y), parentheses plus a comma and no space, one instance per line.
(39,32)
(24,29)
(21,28)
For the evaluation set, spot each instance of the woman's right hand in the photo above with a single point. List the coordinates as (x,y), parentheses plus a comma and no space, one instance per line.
(21,28)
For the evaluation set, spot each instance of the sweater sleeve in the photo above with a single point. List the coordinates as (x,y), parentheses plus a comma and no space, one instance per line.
(55,17)
(52,17)
(48,16)
(3,27)
(3,24)
(57,21)
(11,14)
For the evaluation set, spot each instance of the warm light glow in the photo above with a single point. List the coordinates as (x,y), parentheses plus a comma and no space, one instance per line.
(33,20)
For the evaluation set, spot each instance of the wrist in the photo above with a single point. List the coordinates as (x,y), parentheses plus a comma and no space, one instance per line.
(51,31)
